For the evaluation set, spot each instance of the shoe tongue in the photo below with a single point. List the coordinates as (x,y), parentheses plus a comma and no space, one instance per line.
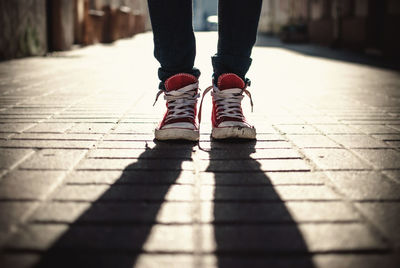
(226,81)
(179,81)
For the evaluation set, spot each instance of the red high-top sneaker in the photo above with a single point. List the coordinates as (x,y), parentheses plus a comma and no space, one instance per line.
(179,122)
(227,116)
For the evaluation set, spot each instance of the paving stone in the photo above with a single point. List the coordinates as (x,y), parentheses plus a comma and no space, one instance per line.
(102,260)
(254,165)
(11,157)
(336,129)
(140,153)
(267,193)
(387,137)
(248,145)
(358,141)
(29,185)
(15,127)
(288,212)
(50,144)
(302,261)
(166,238)
(50,127)
(312,141)
(297,129)
(365,185)
(293,238)
(261,178)
(56,136)
(12,212)
(125,193)
(132,164)
(375,129)
(92,128)
(131,177)
(114,213)
(53,159)
(256,154)
(335,159)
(129,137)
(130,128)
(393,174)
(385,158)
(386,216)
(19,260)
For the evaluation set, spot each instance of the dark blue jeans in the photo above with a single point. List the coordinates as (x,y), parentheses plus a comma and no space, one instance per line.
(174,41)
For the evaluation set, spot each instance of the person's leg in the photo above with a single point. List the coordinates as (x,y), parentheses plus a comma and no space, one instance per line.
(175,49)
(237,30)
(174,42)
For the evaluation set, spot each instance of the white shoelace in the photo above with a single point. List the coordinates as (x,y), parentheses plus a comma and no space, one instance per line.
(181,102)
(228,101)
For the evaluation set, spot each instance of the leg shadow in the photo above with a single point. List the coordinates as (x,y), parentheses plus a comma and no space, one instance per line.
(114,230)
(252,226)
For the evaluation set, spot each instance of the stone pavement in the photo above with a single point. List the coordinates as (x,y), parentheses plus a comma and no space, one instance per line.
(83,184)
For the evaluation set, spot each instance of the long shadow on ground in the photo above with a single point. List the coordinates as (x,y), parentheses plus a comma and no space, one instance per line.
(252,225)
(113,231)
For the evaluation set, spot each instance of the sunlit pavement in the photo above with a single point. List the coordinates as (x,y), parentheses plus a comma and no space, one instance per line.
(83,184)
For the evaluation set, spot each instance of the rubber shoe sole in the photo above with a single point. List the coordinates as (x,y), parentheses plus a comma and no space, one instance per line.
(234,133)
(176,134)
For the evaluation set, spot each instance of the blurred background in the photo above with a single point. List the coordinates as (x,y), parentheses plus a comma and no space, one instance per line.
(36,27)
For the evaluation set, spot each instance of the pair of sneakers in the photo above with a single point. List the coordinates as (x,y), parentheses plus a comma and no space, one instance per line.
(181,93)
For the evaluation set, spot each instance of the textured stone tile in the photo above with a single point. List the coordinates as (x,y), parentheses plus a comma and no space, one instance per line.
(53,159)
(129,128)
(125,193)
(288,212)
(331,159)
(393,174)
(254,165)
(312,141)
(140,153)
(381,158)
(365,185)
(16,260)
(12,212)
(132,164)
(336,129)
(261,178)
(386,216)
(266,193)
(31,185)
(375,129)
(297,129)
(358,141)
(91,128)
(131,177)
(302,261)
(103,260)
(114,213)
(11,157)
(293,238)
(56,136)
(121,238)
(50,127)
(256,154)
(50,144)
(15,127)
(129,137)
(246,146)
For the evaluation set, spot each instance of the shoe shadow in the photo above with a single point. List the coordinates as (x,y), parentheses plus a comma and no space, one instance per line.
(251,224)
(114,230)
